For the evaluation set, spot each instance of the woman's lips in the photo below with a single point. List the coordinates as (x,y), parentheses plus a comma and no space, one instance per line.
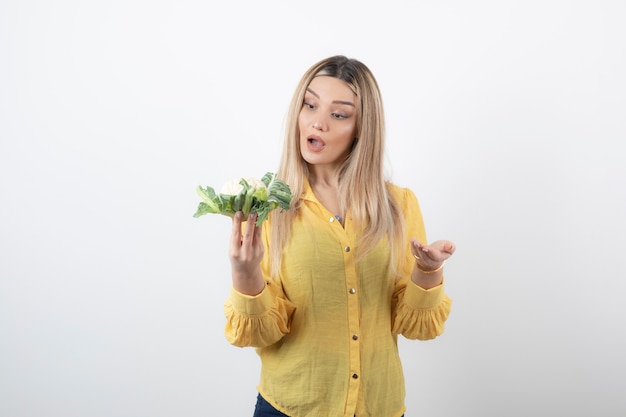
(315,143)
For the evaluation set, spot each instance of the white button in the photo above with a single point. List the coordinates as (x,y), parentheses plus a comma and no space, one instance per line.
(332,219)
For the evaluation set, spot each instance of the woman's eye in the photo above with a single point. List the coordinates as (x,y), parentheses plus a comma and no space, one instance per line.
(339,116)
(308,105)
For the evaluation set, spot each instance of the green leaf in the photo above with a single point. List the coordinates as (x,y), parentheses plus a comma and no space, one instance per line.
(211,199)
(278,191)
(262,200)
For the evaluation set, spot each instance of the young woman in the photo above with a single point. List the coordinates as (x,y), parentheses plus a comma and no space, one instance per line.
(324,289)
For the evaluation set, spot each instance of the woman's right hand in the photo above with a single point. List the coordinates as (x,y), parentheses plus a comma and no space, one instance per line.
(245,253)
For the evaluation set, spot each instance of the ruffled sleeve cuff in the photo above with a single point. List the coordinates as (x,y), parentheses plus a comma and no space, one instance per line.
(251,305)
(420,313)
(420,298)
(259,320)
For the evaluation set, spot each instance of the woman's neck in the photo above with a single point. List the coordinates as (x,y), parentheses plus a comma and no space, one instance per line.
(326,190)
(324,177)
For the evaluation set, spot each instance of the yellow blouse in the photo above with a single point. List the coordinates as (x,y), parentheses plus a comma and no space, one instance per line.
(326,331)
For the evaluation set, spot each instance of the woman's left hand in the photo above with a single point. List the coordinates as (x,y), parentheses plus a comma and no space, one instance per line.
(432,256)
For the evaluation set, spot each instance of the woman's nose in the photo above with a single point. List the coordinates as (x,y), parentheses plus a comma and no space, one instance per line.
(318,125)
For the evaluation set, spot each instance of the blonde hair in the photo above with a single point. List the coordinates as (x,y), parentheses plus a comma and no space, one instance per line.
(362,185)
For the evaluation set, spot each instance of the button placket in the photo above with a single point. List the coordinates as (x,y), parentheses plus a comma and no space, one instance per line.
(346,239)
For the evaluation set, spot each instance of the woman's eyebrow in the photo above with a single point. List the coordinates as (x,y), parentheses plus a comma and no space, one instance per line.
(347,103)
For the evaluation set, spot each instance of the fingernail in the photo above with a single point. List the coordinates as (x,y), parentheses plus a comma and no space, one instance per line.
(239,215)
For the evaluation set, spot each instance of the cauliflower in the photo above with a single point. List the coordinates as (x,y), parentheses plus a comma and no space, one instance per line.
(248,195)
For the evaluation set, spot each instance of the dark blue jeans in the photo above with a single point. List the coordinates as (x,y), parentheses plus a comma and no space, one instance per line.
(265,409)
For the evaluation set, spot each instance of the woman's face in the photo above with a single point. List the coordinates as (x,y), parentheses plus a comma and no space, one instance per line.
(327,122)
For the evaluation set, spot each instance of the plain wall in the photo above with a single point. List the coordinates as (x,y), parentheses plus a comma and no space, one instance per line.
(506,118)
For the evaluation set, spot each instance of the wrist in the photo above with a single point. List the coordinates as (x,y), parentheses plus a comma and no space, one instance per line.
(431,270)
(249,283)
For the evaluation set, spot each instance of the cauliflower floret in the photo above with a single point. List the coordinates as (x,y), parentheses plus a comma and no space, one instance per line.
(234,187)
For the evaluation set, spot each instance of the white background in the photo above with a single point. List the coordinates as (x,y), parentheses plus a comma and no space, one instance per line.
(507,119)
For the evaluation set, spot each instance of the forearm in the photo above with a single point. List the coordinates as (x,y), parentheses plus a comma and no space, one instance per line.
(248,283)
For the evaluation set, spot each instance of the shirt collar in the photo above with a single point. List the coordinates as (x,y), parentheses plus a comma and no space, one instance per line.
(307,192)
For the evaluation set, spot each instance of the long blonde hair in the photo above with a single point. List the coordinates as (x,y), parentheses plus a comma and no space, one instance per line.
(362,185)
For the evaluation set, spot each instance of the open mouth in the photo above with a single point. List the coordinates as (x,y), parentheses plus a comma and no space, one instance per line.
(315,143)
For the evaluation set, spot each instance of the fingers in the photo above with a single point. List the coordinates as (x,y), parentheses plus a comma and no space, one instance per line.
(416,245)
(245,239)
(437,251)
(235,235)
(443,247)
(449,247)
(258,231)
(417,249)
(250,233)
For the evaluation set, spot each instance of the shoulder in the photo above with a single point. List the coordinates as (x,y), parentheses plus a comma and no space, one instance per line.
(402,195)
